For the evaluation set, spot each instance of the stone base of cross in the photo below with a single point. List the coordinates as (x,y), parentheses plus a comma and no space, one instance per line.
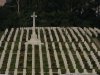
(34,40)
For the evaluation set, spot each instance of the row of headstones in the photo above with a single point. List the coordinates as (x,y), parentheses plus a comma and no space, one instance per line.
(63,56)
(95,31)
(88,60)
(11,51)
(55,57)
(88,32)
(86,44)
(74,47)
(49,61)
(19,49)
(18,55)
(77,30)
(91,52)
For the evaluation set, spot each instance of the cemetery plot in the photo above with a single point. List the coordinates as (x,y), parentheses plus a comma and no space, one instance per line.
(65,50)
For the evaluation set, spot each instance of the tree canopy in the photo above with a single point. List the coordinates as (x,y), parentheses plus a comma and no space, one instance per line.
(17,13)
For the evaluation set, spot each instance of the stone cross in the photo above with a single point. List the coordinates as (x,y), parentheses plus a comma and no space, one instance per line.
(33,16)
(33,29)
(34,40)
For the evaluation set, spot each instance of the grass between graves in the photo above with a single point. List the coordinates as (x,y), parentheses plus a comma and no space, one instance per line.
(47,35)
(41,35)
(61,62)
(1,34)
(24,36)
(66,38)
(4,65)
(2,47)
(37,60)
(13,62)
(53,36)
(53,61)
(30,33)
(12,36)
(18,36)
(59,36)
(6,36)
(44,55)
(45,61)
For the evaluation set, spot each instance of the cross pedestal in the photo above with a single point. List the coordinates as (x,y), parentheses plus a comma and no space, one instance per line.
(34,40)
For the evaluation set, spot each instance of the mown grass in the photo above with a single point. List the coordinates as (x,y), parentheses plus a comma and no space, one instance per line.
(44,54)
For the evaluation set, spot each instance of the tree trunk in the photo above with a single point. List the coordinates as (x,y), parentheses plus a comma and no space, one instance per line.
(18,7)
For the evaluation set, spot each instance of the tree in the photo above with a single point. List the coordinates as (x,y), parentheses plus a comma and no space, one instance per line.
(18,7)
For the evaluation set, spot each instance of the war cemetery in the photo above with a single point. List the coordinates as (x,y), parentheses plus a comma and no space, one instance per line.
(59,43)
(49,50)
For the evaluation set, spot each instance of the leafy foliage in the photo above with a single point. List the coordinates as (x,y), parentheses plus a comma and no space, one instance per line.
(50,13)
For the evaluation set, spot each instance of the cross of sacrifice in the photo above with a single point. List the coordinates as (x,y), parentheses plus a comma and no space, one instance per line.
(34,40)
